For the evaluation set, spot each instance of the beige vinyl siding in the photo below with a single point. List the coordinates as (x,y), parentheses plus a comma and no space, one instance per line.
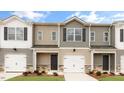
(99,31)
(46,30)
(74,24)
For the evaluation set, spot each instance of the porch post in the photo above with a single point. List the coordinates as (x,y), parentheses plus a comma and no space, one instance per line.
(34,59)
(115,63)
(92,59)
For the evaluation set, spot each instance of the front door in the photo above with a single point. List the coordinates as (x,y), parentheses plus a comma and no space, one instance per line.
(54,60)
(105,62)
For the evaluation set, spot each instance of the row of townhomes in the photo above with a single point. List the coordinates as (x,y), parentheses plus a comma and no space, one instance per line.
(70,46)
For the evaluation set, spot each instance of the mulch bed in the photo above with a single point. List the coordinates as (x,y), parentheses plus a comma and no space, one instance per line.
(102,76)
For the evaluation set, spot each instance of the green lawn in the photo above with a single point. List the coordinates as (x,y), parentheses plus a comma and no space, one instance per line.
(36,78)
(112,78)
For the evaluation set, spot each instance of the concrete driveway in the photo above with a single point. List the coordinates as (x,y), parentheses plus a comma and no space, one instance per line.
(5,76)
(71,76)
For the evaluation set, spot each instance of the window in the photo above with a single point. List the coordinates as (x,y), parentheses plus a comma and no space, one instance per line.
(121,35)
(39,35)
(15,33)
(54,35)
(78,34)
(11,33)
(19,33)
(105,36)
(74,34)
(92,36)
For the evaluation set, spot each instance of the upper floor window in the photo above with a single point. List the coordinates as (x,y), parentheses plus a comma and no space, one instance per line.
(39,35)
(54,36)
(15,33)
(74,34)
(105,36)
(121,35)
(92,36)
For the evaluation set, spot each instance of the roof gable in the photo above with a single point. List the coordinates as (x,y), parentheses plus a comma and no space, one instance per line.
(75,18)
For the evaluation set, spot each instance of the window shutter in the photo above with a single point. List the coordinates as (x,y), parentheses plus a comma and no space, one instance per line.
(25,33)
(5,33)
(83,35)
(64,34)
(121,35)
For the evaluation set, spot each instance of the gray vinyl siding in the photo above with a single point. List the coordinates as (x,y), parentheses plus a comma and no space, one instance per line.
(74,24)
(99,35)
(27,52)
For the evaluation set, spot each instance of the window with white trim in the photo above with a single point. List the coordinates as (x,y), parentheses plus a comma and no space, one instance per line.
(106,36)
(19,33)
(15,33)
(92,36)
(11,33)
(54,36)
(74,34)
(39,35)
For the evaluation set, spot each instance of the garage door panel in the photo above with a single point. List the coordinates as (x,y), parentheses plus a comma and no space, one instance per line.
(74,64)
(15,63)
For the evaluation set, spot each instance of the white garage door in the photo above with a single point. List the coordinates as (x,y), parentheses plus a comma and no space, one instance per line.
(122,64)
(74,63)
(15,63)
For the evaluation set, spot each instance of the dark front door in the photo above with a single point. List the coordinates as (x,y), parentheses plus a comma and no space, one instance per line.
(105,62)
(54,62)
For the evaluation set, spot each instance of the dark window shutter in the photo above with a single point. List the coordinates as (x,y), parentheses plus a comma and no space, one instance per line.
(25,33)
(83,35)
(5,33)
(64,34)
(121,35)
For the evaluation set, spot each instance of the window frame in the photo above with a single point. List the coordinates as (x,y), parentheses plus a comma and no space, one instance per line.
(40,35)
(105,36)
(92,36)
(74,35)
(15,34)
(52,36)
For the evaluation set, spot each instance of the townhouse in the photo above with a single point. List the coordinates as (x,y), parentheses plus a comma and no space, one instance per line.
(71,46)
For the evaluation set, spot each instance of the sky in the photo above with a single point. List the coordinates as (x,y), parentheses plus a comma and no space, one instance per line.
(60,16)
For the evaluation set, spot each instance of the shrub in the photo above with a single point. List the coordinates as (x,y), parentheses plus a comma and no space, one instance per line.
(98,73)
(55,73)
(90,72)
(122,74)
(25,73)
(29,72)
(43,72)
(36,71)
(105,72)
(112,73)
(39,73)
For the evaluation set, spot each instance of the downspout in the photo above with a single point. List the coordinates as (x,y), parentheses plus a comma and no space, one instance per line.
(58,34)
(110,34)
(89,34)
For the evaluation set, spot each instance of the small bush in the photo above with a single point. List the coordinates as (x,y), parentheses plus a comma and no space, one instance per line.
(25,73)
(90,72)
(55,74)
(122,74)
(43,72)
(29,72)
(36,71)
(105,72)
(112,73)
(98,73)
(39,73)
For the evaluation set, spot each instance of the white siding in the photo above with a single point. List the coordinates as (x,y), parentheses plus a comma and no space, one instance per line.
(118,44)
(14,43)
